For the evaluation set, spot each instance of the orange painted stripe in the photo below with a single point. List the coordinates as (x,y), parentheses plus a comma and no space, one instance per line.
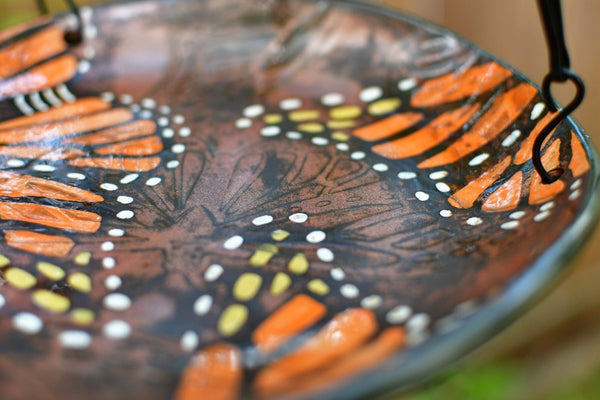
(540,192)
(440,129)
(40,152)
(69,110)
(13,31)
(387,126)
(75,220)
(213,374)
(119,133)
(345,333)
(579,164)
(122,164)
(67,127)
(16,185)
(524,153)
(47,75)
(455,86)
(507,196)
(39,243)
(31,50)
(466,197)
(505,109)
(295,316)
(141,147)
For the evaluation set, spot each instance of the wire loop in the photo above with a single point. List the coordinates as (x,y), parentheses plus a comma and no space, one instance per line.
(72,36)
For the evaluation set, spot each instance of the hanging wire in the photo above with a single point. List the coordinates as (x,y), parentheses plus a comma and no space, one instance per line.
(73,36)
(560,71)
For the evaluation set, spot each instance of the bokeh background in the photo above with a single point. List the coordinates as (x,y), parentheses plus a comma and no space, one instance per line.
(553,351)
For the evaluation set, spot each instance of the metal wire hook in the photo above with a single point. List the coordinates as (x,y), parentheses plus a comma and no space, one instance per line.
(73,36)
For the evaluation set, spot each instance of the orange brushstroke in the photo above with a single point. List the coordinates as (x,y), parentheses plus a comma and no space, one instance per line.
(69,110)
(75,220)
(466,197)
(47,75)
(524,153)
(345,333)
(429,136)
(123,164)
(16,185)
(387,126)
(504,110)
(298,314)
(40,152)
(142,147)
(213,374)
(116,134)
(507,196)
(31,50)
(67,127)
(456,86)
(579,164)
(540,192)
(39,243)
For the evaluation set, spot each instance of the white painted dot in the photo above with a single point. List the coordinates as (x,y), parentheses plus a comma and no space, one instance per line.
(474,221)
(107,96)
(76,340)
(338,274)
(125,214)
(541,216)
(407,84)
(446,213)
(422,196)
(165,110)
(185,132)
(76,175)
(153,181)
(126,99)
(371,302)
(357,155)
(576,184)
(270,131)
(83,67)
(316,237)
(179,119)
(44,168)
(349,291)
(380,167)
(116,330)
(325,254)
(117,302)
(233,242)
(90,32)
(125,200)
(319,141)
(293,135)
(163,121)
(437,175)
(189,341)
(2,301)
(537,110)
(213,273)
(332,99)
(178,148)
(342,146)
(129,178)
(253,111)
(135,108)
(203,304)
(148,103)
(243,123)
(575,194)
(14,163)
(442,187)
(370,94)
(168,133)
(398,314)
(512,138)
(262,220)
(108,263)
(290,104)
(404,175)
(418,322)
(298,218)
(112,282)
(27,323)
(547,206)
(173,164)
(110,187)
(415,338)
(479,159)
(107,246)
(509,225)
(517,215)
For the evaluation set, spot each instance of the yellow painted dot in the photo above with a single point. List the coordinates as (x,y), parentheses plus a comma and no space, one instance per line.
(384,106)
(232,319)
(263,255)
(341,124)
(4,261)
(246,287)
(82,316)
(311,127)
(80,281)
(280,283)
(298,264)
(273,118)
(20,278)
(318,286)
(304,115)
(51,301)
(83,258)
(340,136)
(50,271)
(345,112)
(280,235)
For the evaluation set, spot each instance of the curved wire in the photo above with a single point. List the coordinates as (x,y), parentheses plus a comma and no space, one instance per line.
(72,36)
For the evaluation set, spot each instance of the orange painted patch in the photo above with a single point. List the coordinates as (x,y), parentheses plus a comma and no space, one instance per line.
(16,185)
(40,152)
(579,164)
(345,333)
(295,316)
(75,220)
(119,133)
(48,245)
(540,192)
(455,86)
(213,374)
(122,164)
(524,153)
(387,126)
(429,136)
(507,196)
(466,197)
(504,110)
(142,147)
